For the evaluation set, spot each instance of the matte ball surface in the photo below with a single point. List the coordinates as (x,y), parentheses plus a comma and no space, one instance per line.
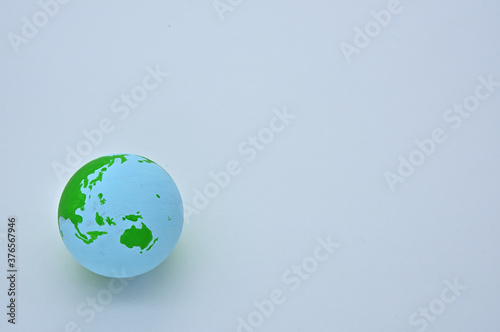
(120,215)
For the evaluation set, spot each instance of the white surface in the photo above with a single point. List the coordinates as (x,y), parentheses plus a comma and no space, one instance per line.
(321,176)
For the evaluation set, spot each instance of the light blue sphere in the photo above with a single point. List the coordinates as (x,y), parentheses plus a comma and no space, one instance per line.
(120,215)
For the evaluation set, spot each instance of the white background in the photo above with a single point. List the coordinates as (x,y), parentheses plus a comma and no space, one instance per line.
(323,176)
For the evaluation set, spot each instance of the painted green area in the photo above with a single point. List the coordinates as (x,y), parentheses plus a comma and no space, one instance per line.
(169,218)
(62,235)
(73,199)
(104,168)
(146,160)
(99,219)
(93,235)
(98,178)
(101,199)
(133,217)
(157,195)
(110,221)
(136,237)
(152,244)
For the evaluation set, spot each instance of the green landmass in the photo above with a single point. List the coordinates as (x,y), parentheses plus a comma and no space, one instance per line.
(110,221)
(157,195)
(73,199)
(93,235)
(98,178)
(99,219)
(152,244)
(146,160)
(136,237)
(101,199)
(133,217)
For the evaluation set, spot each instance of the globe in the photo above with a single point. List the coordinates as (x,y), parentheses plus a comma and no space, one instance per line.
(120,215)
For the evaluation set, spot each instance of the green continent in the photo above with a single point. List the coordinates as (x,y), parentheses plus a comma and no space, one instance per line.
(98,177)
(152,244)
(101,199)
(136,237)
(93,235)
(73,199)
(146,160)
(133,217)
(98,219)
(110,221)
